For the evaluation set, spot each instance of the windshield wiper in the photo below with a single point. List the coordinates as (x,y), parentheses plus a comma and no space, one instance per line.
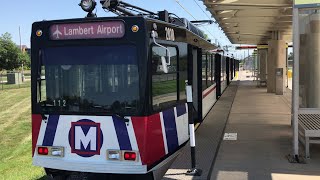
(100,107)
(44,118)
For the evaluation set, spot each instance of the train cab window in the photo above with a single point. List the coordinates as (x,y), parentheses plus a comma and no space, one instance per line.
(94,79)
(41,87)
(164,86)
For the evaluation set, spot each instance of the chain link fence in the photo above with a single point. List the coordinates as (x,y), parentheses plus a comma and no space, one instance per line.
(15,79)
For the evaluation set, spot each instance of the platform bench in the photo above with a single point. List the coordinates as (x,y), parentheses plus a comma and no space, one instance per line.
(309,130)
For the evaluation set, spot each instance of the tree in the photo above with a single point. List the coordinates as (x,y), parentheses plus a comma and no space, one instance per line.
(24,59)
(9,53)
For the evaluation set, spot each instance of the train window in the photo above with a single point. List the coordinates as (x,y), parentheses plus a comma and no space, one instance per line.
(183,73)
(213,68)
(42,86)
(164,86)
(207,71)
(223,68)
(204,71)
(210,70)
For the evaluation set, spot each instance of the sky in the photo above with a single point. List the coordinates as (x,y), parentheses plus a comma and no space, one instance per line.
(15,14)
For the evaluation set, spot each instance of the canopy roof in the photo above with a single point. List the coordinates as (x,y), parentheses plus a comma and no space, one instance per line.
(252,21)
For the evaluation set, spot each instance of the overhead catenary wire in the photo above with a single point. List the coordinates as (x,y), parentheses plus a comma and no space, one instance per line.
(201,9)
(178,2)
(205,14)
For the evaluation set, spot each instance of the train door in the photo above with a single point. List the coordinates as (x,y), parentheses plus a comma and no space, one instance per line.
(195,79)
(193,74)
(208,96)
(218,73)
(228,70)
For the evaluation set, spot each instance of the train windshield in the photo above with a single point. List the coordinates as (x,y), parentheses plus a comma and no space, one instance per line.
(89,79)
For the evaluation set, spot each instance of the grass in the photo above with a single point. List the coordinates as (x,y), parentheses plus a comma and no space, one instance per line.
(166,87)
(14,86)
(15,136)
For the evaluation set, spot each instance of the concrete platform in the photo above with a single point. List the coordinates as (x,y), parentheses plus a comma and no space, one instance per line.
(262,123)
(208,138)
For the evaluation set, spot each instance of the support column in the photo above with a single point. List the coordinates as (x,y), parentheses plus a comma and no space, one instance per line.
(263,55)
(313,61)
(276,59)
(281,62)
(303,62)
(271,84)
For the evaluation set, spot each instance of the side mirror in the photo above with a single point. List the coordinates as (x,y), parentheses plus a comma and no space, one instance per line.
(163,59)
(164,64)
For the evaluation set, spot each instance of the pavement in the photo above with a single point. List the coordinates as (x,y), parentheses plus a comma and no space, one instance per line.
(262,123)
(208,138)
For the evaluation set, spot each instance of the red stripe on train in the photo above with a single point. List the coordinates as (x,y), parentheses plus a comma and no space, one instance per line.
(210,91)
(149,137)
(36,124)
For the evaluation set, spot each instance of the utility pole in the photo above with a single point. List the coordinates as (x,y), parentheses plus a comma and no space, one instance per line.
(20,39)
(22,77)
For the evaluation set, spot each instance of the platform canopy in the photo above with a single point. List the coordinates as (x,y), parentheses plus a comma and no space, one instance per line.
(252,21)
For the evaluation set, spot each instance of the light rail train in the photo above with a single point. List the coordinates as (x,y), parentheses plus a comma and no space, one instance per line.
(108,94)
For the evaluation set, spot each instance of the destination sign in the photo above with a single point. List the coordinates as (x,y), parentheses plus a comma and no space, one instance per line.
(306,3)
(93,30)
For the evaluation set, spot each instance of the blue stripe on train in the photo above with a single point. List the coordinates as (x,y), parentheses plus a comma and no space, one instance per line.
(181,110)
(171,129)
(122,133)
(50,130)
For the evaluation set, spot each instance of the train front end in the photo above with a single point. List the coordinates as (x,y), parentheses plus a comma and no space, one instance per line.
(89,99)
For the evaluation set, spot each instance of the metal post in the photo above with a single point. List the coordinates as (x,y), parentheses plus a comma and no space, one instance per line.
(1,80)
(296,40)
(20,39)
(22,73)
(258,68)
(21,52)
(294,157)
(18,79)
(193,171)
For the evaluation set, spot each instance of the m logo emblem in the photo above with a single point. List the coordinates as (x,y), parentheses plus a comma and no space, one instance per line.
(85,138)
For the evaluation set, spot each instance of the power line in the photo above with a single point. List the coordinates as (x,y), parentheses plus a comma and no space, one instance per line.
(204,13)
(202,9)
(178,2)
